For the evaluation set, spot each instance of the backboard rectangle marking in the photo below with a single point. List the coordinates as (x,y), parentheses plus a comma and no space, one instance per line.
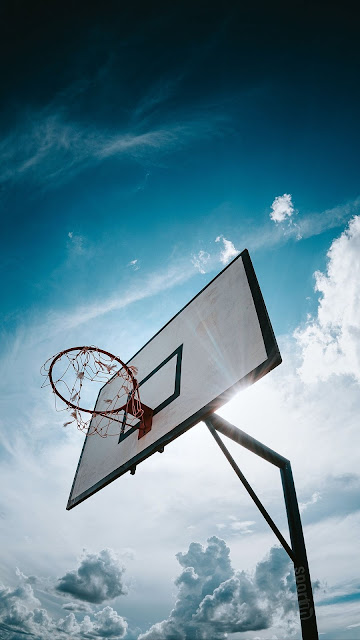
(171,398)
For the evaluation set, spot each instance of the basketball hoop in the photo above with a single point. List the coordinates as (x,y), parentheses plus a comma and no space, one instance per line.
(123,408)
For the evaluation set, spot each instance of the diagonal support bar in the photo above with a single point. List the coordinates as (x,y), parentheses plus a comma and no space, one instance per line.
(298,552)
(249,489)
(253,445)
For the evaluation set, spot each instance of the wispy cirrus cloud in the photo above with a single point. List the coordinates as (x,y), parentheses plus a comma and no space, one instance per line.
(234,525)
(311,224)
(151,285)
(48,147)
(307,225)
(157,95)
(200,261)
(314,224)
(76,243)
(134,264)
(44,332)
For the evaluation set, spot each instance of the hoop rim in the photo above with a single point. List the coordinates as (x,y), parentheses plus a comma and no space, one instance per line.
(107,353)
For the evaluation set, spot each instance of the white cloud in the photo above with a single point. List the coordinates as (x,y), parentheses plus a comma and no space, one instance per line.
(48,148)
(214,601)
(316,223)
(98,578)
(282,208)
(228,252)
(77,606)
(69,625)
(200,261)
(134,264)
(108,624)
(308,225)
(316,496)
(21,615)
(76,243)
(330,341)
(151,285)
(243,526)
(157,95)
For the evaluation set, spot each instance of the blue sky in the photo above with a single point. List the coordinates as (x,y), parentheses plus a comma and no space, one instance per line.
(132,138)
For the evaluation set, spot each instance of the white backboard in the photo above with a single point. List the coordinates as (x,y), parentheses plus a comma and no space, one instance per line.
(220,341)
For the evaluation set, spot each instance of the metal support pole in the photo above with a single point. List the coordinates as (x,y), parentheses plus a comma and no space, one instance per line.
(298,551)
(302,573)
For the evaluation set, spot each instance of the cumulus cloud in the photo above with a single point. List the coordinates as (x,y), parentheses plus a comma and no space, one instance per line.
(105,624)
(282,208)
(26,579)
(98,578)
(200,261)
(108,624)
(274,578)
(228,251)
(69,625)
(214,601)
(12,600)
(21,615)
(76,606)
(330,341)
(233,606)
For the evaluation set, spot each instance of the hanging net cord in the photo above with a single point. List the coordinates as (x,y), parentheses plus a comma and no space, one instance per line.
(66,373)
